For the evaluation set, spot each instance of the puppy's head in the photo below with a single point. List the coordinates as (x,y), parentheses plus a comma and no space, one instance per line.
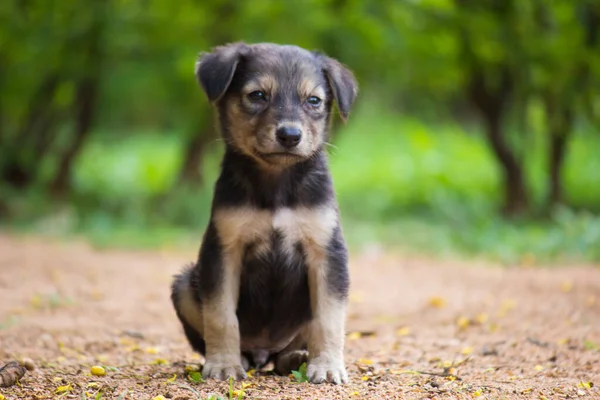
(275,101)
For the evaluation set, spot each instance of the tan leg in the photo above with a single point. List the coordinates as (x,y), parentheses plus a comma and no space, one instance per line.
(221,328)
(326,331)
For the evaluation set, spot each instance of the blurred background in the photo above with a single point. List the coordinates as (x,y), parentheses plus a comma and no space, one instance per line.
(476,132)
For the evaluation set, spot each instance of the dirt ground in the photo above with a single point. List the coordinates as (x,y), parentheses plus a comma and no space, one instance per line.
(417,328)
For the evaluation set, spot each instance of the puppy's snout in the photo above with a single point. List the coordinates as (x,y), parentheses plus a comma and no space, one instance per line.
(288,136)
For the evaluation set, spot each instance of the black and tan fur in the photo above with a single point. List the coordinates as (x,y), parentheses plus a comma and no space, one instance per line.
(271,280)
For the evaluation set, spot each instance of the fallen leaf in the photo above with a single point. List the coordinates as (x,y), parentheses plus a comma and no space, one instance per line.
(159,397)
(585,385)
(436,302)
(364,378)
(246,385)
(2,396)
(404,331)
(365,361)
(250,373)
(477,393)
(195,377)
(538,368)
(566,286)
(359,335)
(160,361)
(351,394)
(467,350)
(588,344)
(404,371)
(356,297)
(463,323)
(238,393)
(152,350)
(172,379)
(63,389)
(482,318)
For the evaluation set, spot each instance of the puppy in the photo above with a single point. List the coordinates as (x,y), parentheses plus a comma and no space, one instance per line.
(271,280)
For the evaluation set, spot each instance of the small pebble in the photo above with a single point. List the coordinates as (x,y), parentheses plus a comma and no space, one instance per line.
(28,364)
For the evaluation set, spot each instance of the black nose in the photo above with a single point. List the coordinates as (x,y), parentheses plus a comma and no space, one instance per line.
(289,136)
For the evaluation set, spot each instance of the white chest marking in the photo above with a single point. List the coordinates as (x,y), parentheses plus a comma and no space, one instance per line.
(312,227)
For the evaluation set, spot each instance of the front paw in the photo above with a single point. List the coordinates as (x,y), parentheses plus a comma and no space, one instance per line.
(327,370)
(221,369)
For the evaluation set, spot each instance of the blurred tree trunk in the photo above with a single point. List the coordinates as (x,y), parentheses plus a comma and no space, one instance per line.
(560,101)
(84,107)
(191,168)
(561,122)
(19,169)
(85,104)
(490,88)
(491,104)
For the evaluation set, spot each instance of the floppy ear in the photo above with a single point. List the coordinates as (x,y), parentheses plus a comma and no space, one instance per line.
(214,71)
(342,83)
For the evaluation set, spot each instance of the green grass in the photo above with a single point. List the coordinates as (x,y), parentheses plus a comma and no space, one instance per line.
(400,182)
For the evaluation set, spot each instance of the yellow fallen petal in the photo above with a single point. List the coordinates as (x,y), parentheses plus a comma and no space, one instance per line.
(102,358)
(172,379)
(160,361)
(585,385)
(463,322)
(246,385)
(237,393)
(2,396)
(194,367)
(404,371)
(93,385)
(477,393)
(356,297)
(365,361)
(98,370)
(437,302)
(538,368)
(566,286)
(159,397)
(481,318)
(63,389)
(467,350)
(404,331)
(351,394)
(364,378)
(251,373)
(354,335)
(152,350)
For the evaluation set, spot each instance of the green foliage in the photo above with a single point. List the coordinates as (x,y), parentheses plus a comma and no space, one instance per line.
(195,376)
(418,172)
(300,375)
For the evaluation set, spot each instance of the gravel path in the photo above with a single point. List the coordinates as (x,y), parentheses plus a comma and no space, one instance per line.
(418,328)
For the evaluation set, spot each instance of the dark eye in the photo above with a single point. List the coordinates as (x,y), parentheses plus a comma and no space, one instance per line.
(257,95)
(313,101)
